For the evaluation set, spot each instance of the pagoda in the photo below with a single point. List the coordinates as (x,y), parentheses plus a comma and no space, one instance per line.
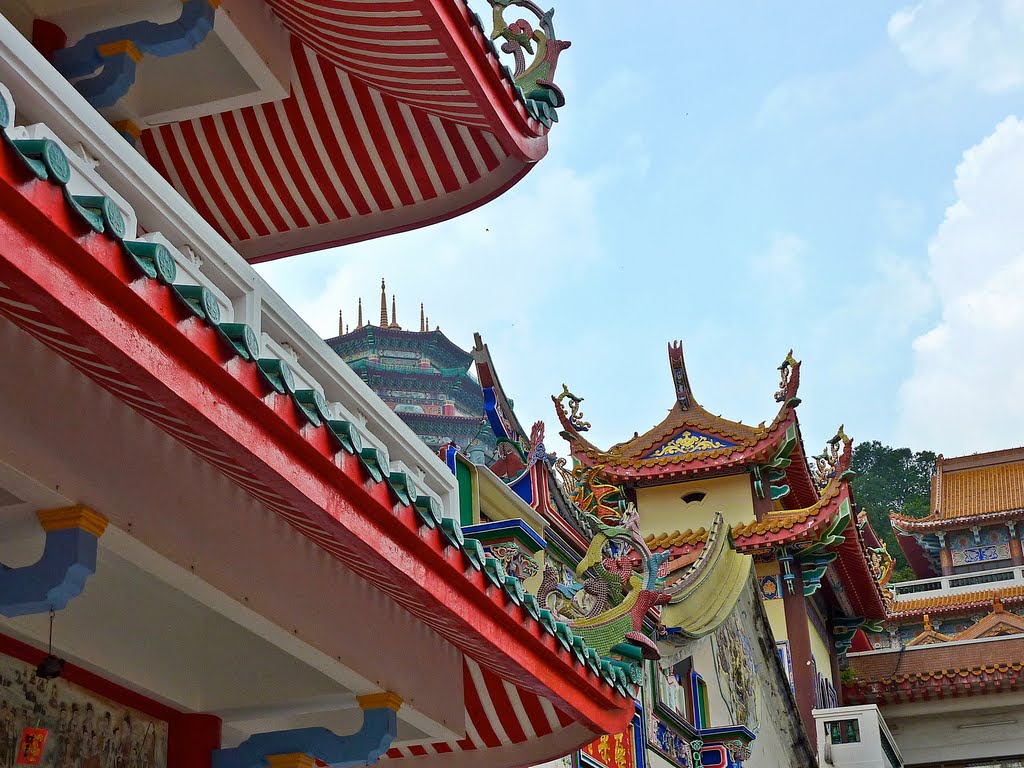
(422,376)
(808,551)
(952,651)
(220,547)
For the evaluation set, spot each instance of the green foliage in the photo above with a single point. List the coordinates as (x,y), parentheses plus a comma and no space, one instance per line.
(892,480)
(848,676)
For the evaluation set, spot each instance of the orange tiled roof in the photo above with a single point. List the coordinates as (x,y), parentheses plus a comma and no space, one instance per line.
(978,491)
(687,538)
(774,522)
(996,624)
(937,662)
(950,603)
(929,637)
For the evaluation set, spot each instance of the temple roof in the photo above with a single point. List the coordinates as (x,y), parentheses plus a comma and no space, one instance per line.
(401,122)
(222,393)
(692,440)
(826,525)
(432,345)
(928,672)
(705,595)
(968,490)
(955,603)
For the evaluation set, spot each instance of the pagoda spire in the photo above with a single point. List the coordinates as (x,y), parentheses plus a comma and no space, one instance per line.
(394,315)
(383,305)
(341,324)
(423,326)
(360,321)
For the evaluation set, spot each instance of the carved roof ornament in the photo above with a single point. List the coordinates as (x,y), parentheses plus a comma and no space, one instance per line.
(574,414)
(536,79)
(789,379)
(827,465)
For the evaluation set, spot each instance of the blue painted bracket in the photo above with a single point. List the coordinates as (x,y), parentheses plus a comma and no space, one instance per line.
(365,747)
(69,558)
(117,71)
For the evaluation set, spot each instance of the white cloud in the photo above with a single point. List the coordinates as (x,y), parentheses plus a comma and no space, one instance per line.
(782,261)
(964,392)
(900,218)
(502,269)
(495,262)
(979,41)
(893,301)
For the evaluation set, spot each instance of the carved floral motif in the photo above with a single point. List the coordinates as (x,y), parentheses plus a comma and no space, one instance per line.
(689,442)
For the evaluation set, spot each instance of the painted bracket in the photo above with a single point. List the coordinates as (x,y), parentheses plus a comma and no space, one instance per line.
(113,54)
(306,746)
(69,558)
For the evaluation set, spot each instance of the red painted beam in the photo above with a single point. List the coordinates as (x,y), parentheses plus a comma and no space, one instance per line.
(83,283)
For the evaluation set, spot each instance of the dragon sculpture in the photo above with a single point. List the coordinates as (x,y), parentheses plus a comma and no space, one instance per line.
(609,606)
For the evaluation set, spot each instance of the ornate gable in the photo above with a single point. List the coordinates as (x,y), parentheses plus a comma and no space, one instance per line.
(999,623)
(688,442)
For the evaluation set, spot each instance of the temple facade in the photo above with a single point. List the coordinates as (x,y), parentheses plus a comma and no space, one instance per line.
(677,550)
(946,668)
(791,519)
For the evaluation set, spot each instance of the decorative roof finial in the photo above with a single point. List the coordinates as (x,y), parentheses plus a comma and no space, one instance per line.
(423,322)
(927,623)
(360,323)
(789,381)
(997,602)
(383,305)
(679,378)
(394,315)
(341,324)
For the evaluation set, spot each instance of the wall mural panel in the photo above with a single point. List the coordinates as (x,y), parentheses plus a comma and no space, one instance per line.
(990,544)
(737,680)
(84,730)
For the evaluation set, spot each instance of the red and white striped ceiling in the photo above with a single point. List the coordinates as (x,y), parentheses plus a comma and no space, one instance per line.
(399,116)
(498,714)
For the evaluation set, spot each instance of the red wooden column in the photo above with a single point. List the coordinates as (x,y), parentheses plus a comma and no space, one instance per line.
(1015,548)
(804,684)
(945,556)
(191,740)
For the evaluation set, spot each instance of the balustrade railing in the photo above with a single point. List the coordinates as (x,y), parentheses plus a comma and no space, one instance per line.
(967,582)
(103,164)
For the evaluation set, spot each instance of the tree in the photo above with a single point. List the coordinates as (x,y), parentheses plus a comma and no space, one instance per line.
(892,480)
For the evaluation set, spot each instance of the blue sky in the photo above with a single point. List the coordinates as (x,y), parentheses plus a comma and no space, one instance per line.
(842,179)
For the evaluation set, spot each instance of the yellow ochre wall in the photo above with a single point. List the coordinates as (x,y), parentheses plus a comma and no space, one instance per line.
(818,648)
(773,608)
(662,509)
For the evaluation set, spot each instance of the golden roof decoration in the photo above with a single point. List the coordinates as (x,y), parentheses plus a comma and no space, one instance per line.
(687,538)
(689,442)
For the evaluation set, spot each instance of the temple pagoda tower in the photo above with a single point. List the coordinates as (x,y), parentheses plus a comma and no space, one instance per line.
(421,375)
